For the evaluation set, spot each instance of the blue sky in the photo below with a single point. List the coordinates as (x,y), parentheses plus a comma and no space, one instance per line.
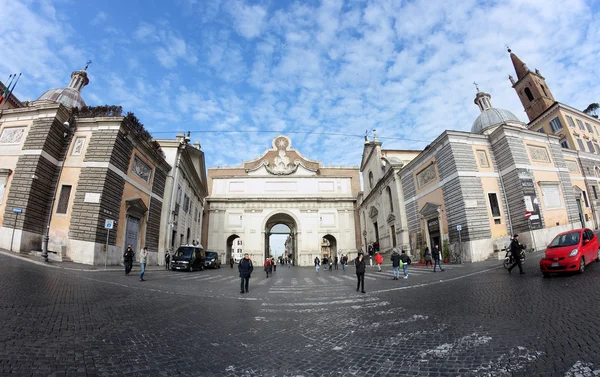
(307,69)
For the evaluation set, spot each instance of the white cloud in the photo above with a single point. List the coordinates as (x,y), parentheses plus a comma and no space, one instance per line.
(100,18)
(248,19)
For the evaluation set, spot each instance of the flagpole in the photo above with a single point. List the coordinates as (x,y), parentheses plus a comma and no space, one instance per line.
(7,86)
(9,93)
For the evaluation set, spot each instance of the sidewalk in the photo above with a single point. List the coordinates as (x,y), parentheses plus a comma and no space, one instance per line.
(72,265)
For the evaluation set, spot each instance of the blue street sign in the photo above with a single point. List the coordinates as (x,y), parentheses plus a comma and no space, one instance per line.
(459,227)
(18,210)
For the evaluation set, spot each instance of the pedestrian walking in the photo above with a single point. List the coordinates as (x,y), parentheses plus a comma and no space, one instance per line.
(405,259)
(344,262)
(378,260)
(335,262)
(515,250)
(128,259)
(396,261)
(427,257)
(167,259)
(330,264)
(231,262)
(274,264)
(360,265)
(245,268)
(325,261)
(370,250)
(437,260)
(317,263)
(268,267)
(143,261)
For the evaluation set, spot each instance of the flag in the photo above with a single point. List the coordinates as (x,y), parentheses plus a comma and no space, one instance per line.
(6,89)
(13,87)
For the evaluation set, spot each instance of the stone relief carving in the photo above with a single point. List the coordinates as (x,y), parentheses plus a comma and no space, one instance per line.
(78,146)
(483,160)
(572,166)
(538,153)
(141,169)
(281,163)
(426,175)
(12,135)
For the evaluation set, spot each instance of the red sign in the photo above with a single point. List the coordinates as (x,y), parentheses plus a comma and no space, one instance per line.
(527,214)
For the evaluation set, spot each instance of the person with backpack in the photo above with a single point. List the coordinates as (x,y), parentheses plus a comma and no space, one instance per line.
(317,263)
(245,269)
(396,262)
(360,265)
(128,259)
(405,261)
(378,260)
(437,260)
(268,266)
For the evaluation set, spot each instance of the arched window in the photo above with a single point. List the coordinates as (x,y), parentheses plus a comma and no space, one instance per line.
(544,90)
(371,179)
(529,95)
(389,195)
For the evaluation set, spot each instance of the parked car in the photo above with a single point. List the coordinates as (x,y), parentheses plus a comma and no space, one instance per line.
(570,251)
(212,260)
(188,258)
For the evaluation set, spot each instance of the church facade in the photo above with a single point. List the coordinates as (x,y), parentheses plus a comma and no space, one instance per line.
(315,202)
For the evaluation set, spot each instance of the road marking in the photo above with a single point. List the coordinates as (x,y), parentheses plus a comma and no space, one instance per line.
(309,281)
(581,369)
(319,303)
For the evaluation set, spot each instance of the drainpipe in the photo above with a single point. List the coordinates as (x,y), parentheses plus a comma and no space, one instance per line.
(585,182)
(510,228)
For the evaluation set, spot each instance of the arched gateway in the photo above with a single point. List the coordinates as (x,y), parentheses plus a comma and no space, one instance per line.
(282,193)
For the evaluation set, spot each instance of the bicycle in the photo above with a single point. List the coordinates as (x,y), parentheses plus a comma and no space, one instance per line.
(455,256)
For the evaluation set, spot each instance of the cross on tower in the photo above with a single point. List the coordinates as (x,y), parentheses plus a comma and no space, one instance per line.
(477,87)
(87,64)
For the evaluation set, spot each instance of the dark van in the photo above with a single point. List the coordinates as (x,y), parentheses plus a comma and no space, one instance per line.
(188,258)
(212,260)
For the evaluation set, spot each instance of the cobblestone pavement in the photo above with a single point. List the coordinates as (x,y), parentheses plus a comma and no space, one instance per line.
(470,320)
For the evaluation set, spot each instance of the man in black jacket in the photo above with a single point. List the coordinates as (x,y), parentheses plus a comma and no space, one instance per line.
(395,264)
(128,259)
(360,265)
(515,250)
(245,268)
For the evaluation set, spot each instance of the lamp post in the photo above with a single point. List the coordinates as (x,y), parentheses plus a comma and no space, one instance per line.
(47,235)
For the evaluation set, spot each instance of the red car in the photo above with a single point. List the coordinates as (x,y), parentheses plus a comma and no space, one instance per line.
(570,251)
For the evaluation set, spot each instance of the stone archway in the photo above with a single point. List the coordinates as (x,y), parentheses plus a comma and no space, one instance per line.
(328,246)
(229,250)
(270,226)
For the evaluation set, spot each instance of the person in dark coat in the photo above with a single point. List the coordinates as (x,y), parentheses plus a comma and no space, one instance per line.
(336,261)
(128,259)
(268,266)
(245,268)
(437,258)
(167,259)
(515,250)
(427,255)
(317,263)
(395,264)
(360,265)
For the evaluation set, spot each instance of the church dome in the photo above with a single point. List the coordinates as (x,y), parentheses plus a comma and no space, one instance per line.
(71,95)
(67,96)
(492,117)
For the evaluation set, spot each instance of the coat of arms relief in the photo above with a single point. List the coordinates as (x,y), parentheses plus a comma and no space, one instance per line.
(281,165)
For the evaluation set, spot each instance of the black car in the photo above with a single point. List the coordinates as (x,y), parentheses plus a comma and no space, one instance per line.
(212,260)
(188,258)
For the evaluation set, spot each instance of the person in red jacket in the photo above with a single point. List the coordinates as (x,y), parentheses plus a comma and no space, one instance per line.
(378,260)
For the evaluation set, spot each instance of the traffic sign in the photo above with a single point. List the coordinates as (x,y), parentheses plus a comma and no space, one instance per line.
(109,224)
(459,227)
(18,210)
(527,214)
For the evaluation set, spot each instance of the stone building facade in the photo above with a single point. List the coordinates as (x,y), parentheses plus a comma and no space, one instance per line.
(185,194)
(68,171)
(282,187)
(380,205)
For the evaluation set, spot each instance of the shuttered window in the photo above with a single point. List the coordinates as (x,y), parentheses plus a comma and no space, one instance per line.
(63,200)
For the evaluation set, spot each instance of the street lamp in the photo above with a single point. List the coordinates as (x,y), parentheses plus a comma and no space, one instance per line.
(47,235)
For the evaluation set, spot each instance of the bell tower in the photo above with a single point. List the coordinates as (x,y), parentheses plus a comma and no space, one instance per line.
(531,87)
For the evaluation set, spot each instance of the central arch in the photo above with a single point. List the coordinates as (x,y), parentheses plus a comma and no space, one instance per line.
(270,227)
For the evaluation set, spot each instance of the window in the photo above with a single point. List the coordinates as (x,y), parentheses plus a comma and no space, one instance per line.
(482,158)
(580,143)
(3,181)
(389,194)
(178,199)
(595,192)
(371,179)
(597,148)
(590,146)
(551,194)
(544,90)
(589,128)
(541,130)
(556,125)
(596,129)
(571,122)
(63,200)
(529,95)
(564,143)
(494,206)
(580,124)
(585,199)
(393,231)
(186,203)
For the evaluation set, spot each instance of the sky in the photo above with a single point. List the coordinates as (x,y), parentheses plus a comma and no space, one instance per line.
(236,73)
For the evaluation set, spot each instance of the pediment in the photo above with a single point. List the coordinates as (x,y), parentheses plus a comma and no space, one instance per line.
(430,210)
(373,212)
(391,218)
(136,207)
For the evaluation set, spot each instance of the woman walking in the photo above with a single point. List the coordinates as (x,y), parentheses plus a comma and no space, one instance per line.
(143,261)
(428,257)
